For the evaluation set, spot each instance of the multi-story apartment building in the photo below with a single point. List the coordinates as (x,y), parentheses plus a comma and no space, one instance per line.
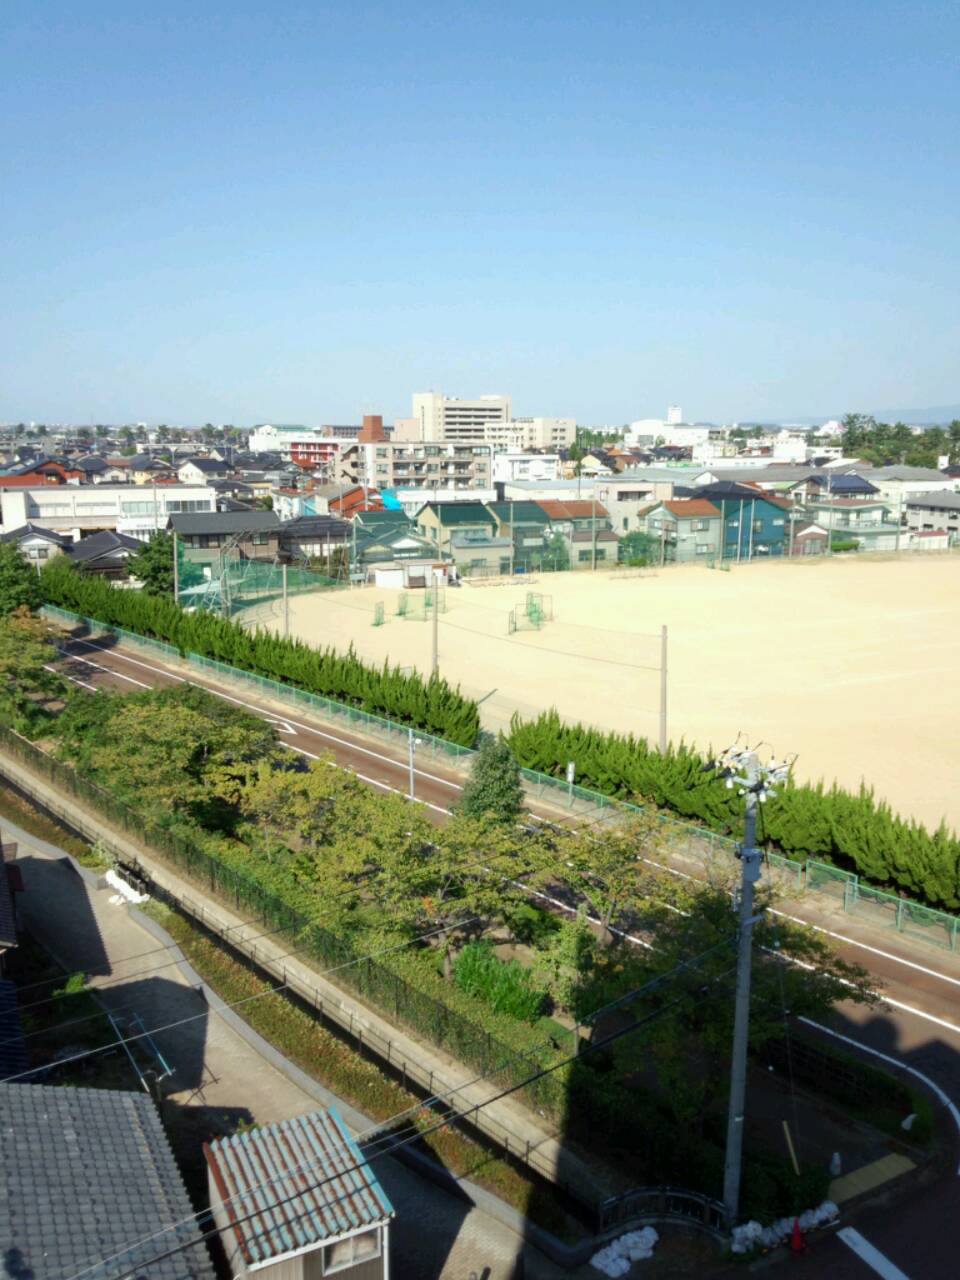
(314,449)
(385,464)
(137,511)
(532,433)
(437,417)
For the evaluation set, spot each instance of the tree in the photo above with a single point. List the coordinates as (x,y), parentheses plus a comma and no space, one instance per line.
(638,548)
(27,685)
(556,553)
(493,791)
(19,586)
(153,564)
(604,869)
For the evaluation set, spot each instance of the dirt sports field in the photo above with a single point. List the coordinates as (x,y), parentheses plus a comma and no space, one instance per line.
(854,664)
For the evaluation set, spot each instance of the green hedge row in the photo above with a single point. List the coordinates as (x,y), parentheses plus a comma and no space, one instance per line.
(431,705)
(852,829)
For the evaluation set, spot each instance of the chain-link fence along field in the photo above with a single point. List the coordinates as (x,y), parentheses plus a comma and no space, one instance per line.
(851,663)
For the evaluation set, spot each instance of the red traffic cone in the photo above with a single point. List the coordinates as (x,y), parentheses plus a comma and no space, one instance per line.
(797,1244)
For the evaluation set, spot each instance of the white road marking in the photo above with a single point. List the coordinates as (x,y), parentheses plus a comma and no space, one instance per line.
(260,711)
(75,657)
(872,1256)
(896,1062)
(283,726)
(73,679)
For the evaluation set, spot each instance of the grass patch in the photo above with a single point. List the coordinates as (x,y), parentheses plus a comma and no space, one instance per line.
(24,814)
(347,1073)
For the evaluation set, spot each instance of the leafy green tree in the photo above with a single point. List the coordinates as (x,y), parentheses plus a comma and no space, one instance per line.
(153,564)
(19,585)
(493,791)
(27,685)
(556,553)
(638,548)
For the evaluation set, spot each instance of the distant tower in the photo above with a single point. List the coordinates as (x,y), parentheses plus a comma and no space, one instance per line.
(674,415)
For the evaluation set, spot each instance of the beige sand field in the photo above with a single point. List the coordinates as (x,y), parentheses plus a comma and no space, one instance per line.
(854,664)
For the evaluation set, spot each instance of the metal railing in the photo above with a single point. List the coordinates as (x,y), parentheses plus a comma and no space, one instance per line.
(661,1204)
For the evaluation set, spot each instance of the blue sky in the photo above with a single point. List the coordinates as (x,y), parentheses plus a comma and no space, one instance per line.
(244,212)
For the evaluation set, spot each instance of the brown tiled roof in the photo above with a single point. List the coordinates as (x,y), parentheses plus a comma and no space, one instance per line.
(693,507)
(575,510)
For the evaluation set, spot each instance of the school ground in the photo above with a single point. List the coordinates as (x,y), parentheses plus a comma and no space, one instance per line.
(851,662)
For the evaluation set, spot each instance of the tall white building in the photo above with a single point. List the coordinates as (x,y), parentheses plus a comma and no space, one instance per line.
(674,415)
(438,417)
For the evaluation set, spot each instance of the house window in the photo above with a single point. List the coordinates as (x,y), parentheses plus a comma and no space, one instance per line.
(758,526)
(584,556)
(626,522)
(261,539)
(704,548)
(699,526)
(346,1253)
(778,524)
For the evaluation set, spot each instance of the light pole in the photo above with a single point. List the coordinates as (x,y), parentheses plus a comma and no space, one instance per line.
(412,744)
(755,782)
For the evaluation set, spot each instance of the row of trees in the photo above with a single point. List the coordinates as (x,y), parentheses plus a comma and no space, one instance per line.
(431,705)
(854,830)
(884,443)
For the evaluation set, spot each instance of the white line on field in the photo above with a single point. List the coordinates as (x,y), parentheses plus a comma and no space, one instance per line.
(872,1256)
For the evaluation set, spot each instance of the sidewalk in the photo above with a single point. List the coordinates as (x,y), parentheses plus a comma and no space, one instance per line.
(436,1236)
(511,1125)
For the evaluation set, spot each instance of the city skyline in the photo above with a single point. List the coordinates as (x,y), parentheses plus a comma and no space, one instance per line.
(305,215)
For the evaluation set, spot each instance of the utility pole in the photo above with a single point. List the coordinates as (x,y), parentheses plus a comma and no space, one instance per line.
(286,602)
(741,769)
(663,689)
(412,744)
(435,656)
(753,508)
(829,513)
(176,570)
(512,565)
(593,554)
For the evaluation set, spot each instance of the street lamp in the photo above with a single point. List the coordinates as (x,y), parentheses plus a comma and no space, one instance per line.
(412,744)
(741,770)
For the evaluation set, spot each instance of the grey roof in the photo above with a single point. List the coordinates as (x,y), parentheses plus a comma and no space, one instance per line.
(209,466)
(31,530)
(106,543)
(317,526)
(85,1175)
(14,1060)
(901,473)
(92,464)
(8,920)
(944,499)
(314,1166)
(225,522)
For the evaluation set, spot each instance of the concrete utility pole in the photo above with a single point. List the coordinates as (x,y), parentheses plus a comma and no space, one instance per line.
(593,555)
(512,565)
(412,744)
(754,782)
(286,603)
(176,570)
(435,656)
(663,689)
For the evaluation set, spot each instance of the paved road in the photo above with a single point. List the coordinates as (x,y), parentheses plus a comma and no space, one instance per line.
(920,1026)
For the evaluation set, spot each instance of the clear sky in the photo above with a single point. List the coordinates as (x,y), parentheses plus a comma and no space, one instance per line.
(236,212)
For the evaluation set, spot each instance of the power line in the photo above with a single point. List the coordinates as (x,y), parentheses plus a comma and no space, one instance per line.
(417,1135)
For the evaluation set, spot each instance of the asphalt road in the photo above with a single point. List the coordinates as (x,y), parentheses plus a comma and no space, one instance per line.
(919,1027)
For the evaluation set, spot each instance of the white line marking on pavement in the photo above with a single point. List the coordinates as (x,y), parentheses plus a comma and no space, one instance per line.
(896,1062)
(261,711)
(872,1256)
(73,679)
(887,955)
(75,657)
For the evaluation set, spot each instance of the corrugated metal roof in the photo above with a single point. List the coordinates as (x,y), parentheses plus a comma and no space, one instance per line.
(304,1181)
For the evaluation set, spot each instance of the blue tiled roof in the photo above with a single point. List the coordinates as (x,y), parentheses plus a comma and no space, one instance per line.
(303,1181)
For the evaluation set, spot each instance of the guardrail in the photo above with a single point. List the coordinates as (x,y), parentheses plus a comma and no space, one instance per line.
(843,888)
(661,1204)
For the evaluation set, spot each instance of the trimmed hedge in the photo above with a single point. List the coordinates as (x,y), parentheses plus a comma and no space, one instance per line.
(851,829)
(431,705)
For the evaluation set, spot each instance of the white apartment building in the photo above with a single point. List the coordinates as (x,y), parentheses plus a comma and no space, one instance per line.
(674,415)
(134,510)
(314,448)
(388,464)
(437,417)
(532,433)
(514,465)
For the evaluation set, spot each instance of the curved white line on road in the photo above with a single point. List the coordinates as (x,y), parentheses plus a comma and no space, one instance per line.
(896,1062)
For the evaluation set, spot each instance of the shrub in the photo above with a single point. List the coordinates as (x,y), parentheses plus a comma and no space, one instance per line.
(505,985)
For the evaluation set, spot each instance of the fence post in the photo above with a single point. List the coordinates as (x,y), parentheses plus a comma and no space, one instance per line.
(899,925)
